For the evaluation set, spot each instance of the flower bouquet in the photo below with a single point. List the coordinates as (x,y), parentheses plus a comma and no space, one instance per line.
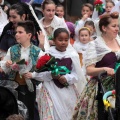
(99,6)
(23,67)
(48,63)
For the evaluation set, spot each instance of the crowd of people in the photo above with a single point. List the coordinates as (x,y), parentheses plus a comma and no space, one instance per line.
(68,88)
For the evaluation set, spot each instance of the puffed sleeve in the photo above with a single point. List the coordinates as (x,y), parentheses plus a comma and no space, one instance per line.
(3,62)
(43,76)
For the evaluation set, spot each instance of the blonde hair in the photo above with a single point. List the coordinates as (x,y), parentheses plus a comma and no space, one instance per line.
(84,28)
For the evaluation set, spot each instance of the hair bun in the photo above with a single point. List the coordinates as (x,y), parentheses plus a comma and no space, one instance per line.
(114,15)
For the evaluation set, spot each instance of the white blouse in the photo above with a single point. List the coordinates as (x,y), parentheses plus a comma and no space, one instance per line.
(24,55)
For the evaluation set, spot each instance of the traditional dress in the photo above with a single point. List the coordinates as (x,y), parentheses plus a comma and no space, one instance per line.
(56,102)
(16,53)
(3,20)
(56,23)
(89,106)
(81,50)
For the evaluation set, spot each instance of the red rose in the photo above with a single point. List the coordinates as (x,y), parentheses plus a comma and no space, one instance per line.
(42,61)
(98,2)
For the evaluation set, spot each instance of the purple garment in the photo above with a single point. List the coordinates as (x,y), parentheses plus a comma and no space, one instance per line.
(63,62)
(108,60)
(71,28)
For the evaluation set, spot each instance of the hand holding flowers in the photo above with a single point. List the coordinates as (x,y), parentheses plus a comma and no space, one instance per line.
(48,63)
(8,63)
(22,67)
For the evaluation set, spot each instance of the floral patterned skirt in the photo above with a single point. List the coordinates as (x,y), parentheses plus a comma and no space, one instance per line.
(45,105)
(87,105)
(86,108)
(59,105)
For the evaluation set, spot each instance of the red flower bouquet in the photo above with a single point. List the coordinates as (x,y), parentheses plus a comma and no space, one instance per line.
(44,63)
(98,2)
(48,63)
(99,5)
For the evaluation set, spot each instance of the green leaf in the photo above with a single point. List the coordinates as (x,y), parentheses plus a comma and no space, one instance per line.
(51,61)
(21,61)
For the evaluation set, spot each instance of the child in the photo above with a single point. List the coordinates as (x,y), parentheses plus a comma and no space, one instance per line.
(90,25)
(109,6)
(87,10)
(56,102)
(23,50)
(60,11)
(81,44)
(50,21)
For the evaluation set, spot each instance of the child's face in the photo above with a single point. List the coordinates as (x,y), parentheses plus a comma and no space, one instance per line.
(49,11)
(92,29)
(61,41)
(60,12)
(84,36)
(109,7)
(21,36)
(86,10)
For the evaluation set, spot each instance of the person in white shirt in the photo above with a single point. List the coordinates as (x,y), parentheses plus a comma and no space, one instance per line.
(23,50)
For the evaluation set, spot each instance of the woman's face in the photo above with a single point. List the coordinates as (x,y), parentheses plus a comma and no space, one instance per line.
(112,29)
(15,18)
(49,11)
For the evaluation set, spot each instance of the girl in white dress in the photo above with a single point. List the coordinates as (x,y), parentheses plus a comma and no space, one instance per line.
(81,45)
(50,22)
(56,102)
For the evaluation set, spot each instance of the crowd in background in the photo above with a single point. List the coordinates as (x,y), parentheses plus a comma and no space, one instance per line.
(84,41)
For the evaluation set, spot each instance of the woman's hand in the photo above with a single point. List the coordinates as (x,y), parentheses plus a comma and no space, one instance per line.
(28,75)
(109,71)
(8,63)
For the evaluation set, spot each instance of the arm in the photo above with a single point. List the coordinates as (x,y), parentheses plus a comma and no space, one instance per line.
(43,76)
(41,38)
(93,71)
(6,62)
(72,77)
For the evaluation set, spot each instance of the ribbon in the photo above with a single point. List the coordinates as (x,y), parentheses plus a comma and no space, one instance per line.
(117,65)
(50,37)
(56,70)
